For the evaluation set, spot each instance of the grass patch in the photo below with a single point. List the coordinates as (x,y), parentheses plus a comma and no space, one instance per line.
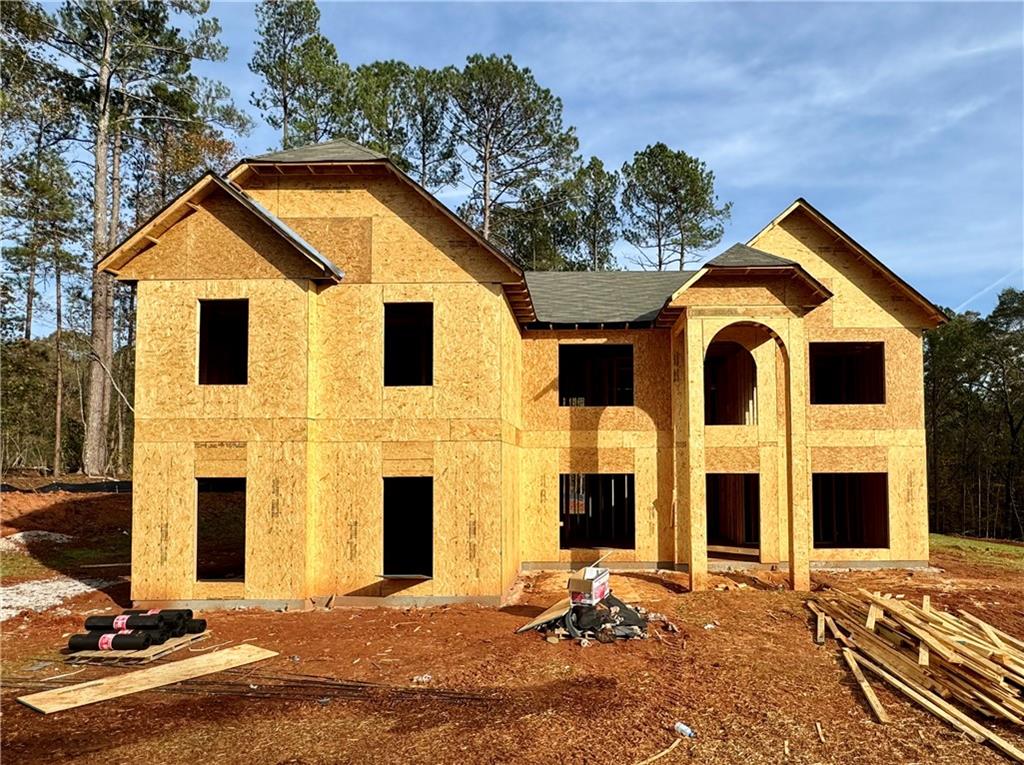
(980,551)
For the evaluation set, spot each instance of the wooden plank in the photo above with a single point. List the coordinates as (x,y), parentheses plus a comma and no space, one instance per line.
(552,613)
(107,688)
(868,691)
(946,711)
(141,656)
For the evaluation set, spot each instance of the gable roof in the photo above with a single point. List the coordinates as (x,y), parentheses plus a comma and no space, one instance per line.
(343,156)
(340,150)
(800,204)
(149,233)
(602,297)
(742,256)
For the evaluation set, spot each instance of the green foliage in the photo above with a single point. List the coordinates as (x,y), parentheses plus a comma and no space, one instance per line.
(432,156)
(974,415)
(511,131)
(303,82)
(669,206)
(590,218)
(383,95)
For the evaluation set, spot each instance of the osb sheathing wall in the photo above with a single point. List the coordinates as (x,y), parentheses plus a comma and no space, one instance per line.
(315,430)
(630,439)
(866,438)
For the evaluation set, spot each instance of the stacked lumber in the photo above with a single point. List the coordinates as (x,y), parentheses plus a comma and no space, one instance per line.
(954,666)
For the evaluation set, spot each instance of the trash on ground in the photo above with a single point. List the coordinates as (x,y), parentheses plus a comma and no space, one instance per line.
(684,730)
(592,612)
(423,679)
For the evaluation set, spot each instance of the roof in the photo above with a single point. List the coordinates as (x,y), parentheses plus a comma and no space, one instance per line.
(149,233)
(342,155)
(602,297)
(935,313)
(282,228)
(742,256)
(340,150)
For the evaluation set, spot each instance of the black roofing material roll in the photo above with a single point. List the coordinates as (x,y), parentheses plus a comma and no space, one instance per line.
(195,626)
(110,641)
(124,622)
(169,614)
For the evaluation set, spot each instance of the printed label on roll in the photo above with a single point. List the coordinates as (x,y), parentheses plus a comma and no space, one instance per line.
(106,642)
(120,622)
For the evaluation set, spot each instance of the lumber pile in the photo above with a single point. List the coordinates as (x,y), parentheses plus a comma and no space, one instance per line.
(957,667)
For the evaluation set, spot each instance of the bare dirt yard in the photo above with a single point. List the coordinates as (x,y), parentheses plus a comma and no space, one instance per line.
(743,671)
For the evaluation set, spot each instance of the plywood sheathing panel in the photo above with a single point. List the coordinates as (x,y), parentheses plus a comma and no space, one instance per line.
(862,296)
(346,242)
(167,351)
(221,240)
(635,439)
(412,243)
(276,518)
(163,521)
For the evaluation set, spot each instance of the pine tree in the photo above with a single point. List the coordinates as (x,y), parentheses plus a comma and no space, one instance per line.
(511,132)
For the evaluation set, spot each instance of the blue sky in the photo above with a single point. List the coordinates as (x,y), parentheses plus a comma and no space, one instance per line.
(900,121)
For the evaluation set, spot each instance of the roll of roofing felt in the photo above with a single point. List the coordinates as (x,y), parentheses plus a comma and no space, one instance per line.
(167,613)
(124,622)
(177,629)
(109,641)
(195,626)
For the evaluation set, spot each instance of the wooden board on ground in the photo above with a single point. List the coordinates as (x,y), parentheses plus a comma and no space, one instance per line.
(107,688)
(552,613)
(141,656)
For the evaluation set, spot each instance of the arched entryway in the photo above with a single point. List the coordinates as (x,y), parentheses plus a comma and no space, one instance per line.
(745,426)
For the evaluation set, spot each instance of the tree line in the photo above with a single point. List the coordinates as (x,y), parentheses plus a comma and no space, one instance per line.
(974,419)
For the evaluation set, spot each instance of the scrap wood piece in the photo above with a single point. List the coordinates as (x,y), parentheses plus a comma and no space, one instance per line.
(946,712)
(819,635)
(112,687)
(554,612)
(660,754)
(865,687)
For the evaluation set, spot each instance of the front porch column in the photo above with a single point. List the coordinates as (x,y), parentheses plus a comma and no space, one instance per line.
(799,462)
(697,482)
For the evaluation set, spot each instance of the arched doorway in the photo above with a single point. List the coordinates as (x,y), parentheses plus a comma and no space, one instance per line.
(745,371)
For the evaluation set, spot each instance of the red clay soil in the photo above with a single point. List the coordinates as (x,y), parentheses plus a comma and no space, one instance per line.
(752,686)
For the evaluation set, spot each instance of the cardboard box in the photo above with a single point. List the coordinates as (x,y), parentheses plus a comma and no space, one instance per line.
(588,586)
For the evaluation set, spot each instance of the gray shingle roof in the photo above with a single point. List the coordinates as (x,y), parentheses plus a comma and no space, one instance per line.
(741,256)
(601,297)
(341,150)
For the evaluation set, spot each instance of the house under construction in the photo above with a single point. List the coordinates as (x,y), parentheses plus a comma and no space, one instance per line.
(342,389)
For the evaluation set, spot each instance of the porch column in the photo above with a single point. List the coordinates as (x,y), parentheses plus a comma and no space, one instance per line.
(697,503)
(799,461)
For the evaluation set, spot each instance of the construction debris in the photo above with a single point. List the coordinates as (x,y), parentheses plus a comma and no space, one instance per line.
(592,612)
(931,656)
